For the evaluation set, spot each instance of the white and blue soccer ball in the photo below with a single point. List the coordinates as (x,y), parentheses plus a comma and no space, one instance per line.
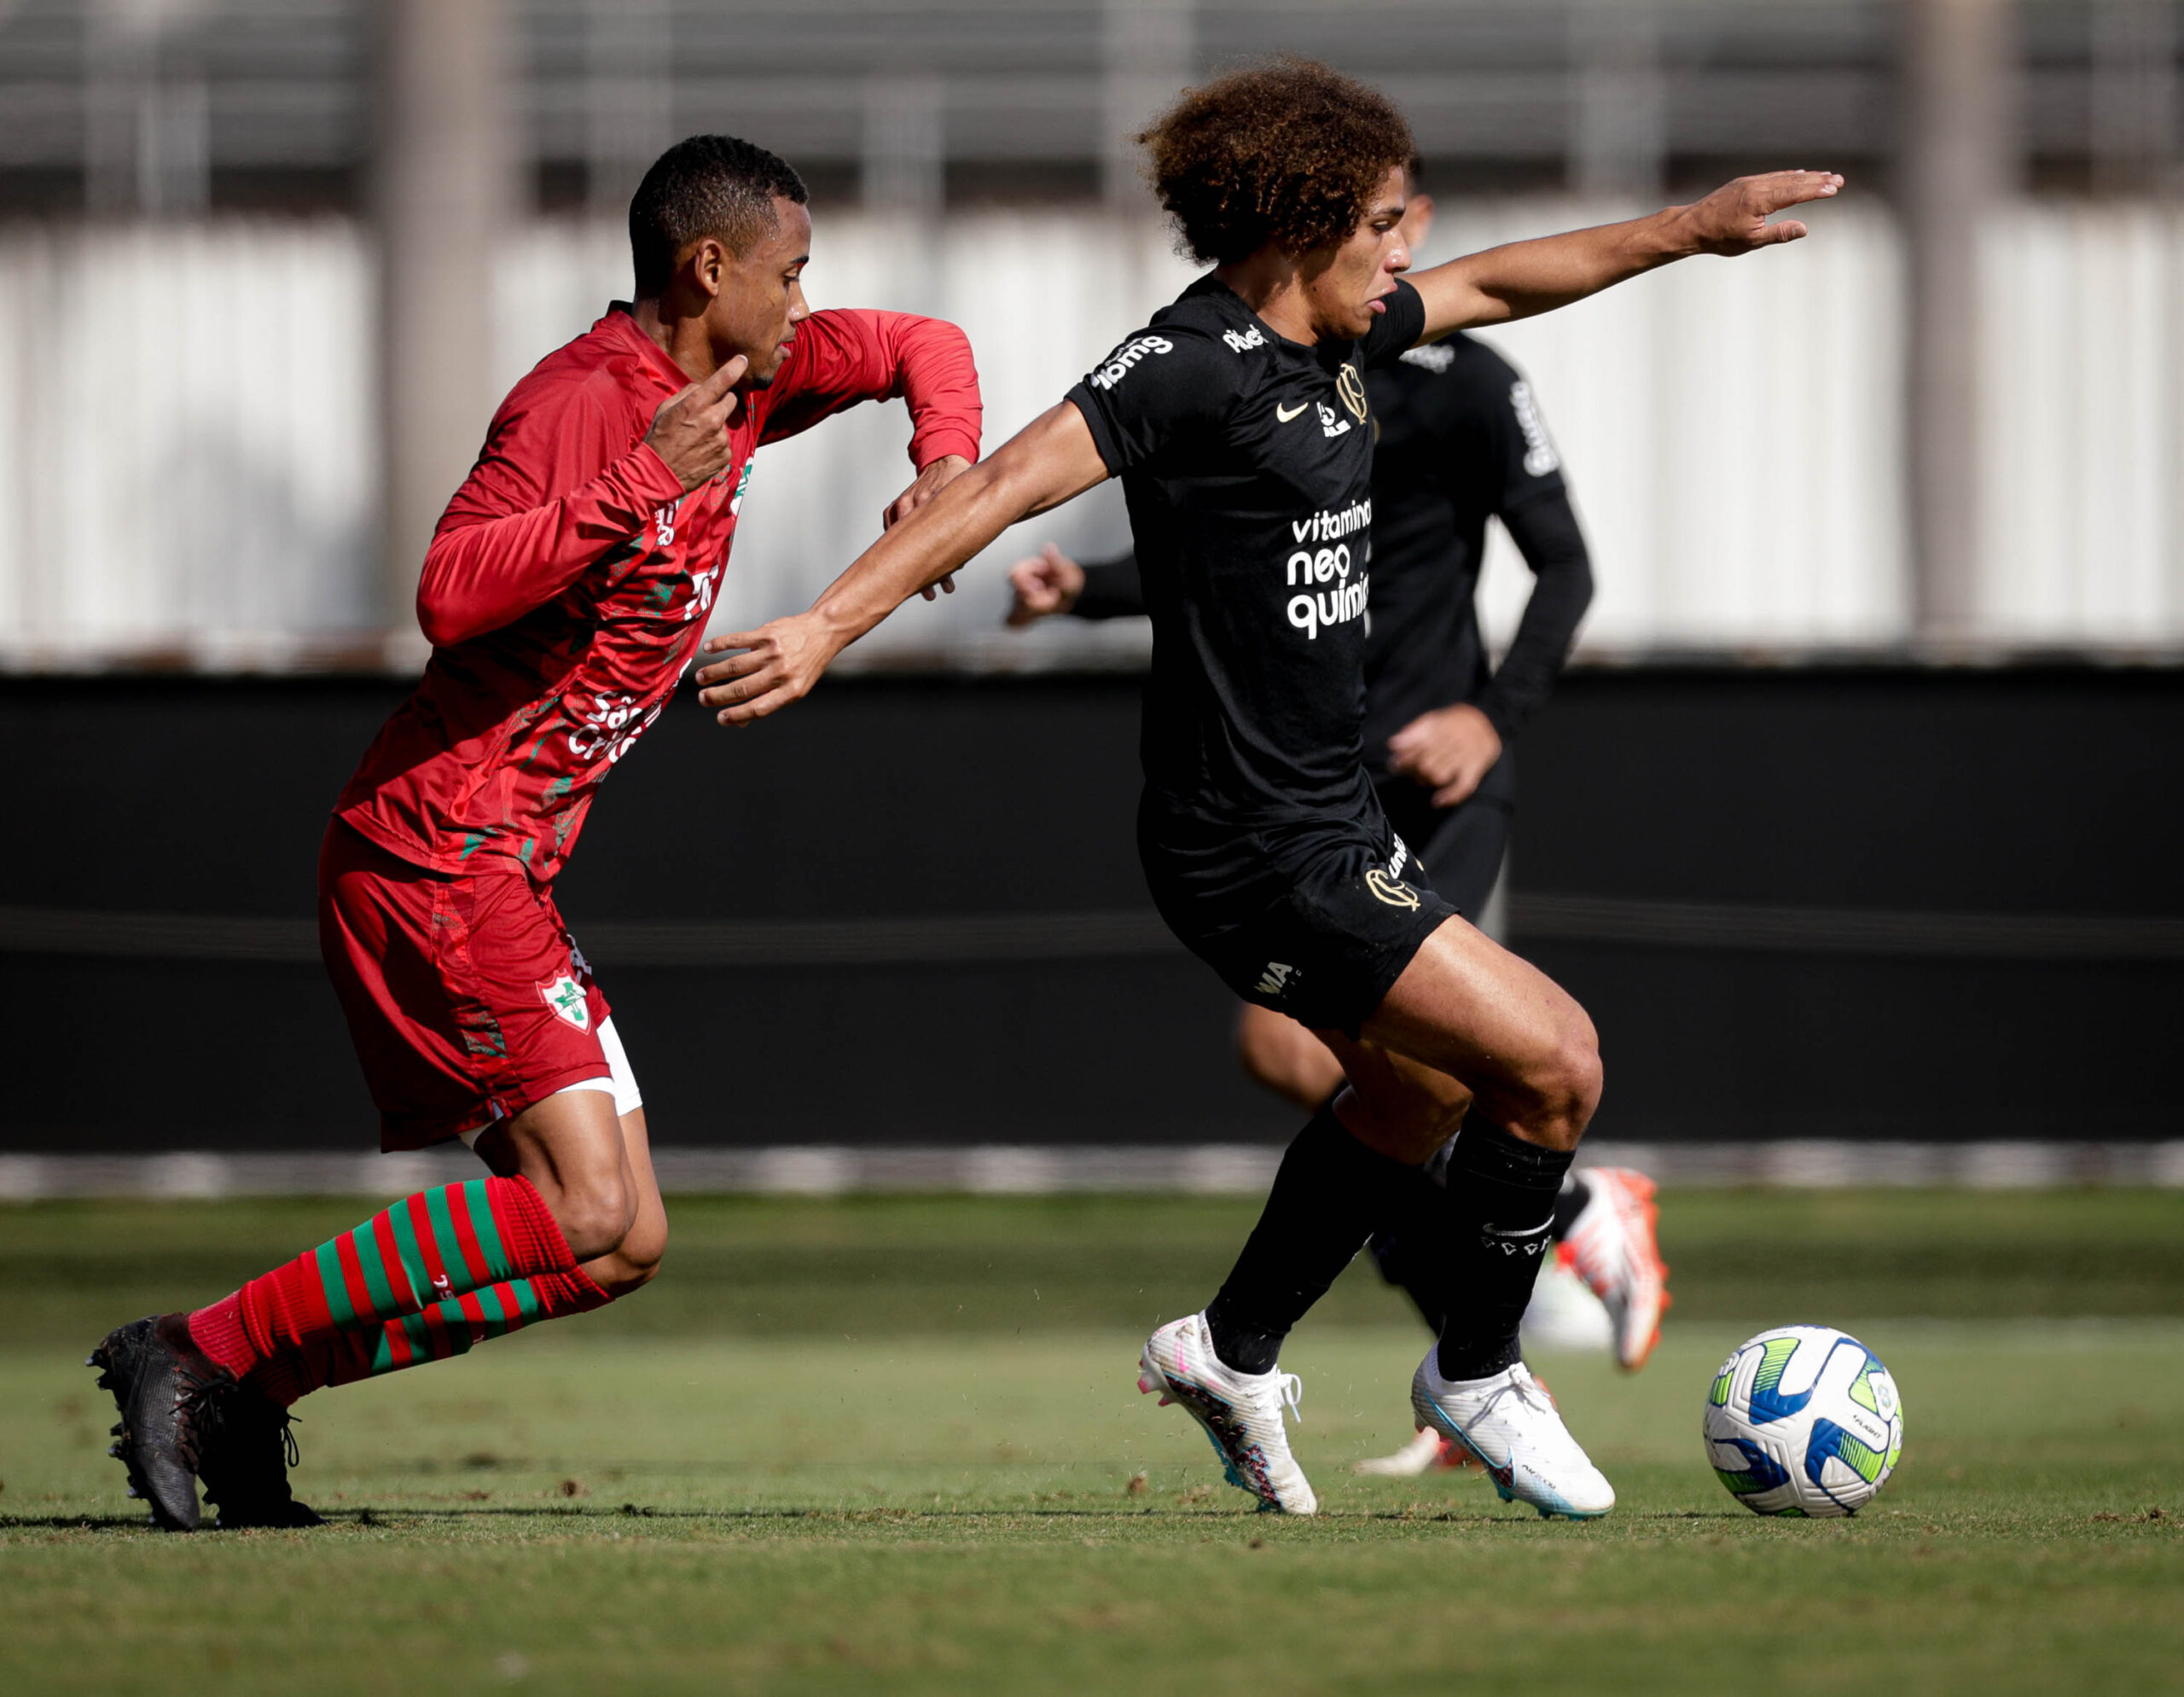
(1803,1421)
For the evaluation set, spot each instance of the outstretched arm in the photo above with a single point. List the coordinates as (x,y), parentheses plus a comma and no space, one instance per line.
(1048,462)
(1526,277)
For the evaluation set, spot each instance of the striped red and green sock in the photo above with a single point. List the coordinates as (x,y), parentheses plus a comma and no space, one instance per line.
(448,1327)
(421,1253)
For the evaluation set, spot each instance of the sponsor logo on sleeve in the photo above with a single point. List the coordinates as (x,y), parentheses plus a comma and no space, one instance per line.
(1540,458)
(1277,978)
(1124,359)
(663,522)
(1239,341)
(1435,356)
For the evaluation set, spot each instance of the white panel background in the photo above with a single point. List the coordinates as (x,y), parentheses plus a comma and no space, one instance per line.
(186,461)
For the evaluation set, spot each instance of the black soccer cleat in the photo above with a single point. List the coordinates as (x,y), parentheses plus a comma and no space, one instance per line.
(168,1392)
(246,1463)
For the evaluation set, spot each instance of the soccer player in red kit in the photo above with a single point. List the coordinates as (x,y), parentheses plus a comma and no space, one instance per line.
(564,592)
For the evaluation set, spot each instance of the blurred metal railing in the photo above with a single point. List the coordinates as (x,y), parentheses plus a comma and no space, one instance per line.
(149,107)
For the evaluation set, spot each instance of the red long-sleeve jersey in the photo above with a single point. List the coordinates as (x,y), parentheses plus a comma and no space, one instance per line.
(569,582)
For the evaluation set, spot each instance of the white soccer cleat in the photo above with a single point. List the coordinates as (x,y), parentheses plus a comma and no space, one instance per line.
(1241,1412)
(1425,1454)
(1511,1424)
(1612,1246)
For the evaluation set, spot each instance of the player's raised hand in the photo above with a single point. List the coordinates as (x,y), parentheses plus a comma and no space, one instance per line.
(778,663)
(1047,583)
(690,429)
(1734,218)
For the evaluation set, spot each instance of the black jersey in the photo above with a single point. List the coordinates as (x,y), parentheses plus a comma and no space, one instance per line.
(1246,460)
(1458,440)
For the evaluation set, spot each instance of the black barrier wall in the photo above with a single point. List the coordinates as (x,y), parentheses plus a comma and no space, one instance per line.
(1841,902)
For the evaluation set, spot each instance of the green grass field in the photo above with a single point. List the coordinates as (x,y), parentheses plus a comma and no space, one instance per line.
(895,1446)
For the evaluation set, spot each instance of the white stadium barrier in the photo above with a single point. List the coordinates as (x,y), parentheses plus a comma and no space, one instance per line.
(1044,1170)
(194,478)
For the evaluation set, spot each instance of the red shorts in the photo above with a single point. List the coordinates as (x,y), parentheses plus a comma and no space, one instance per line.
(467,999)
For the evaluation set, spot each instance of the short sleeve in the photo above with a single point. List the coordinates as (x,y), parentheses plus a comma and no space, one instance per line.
(1523,457)
(1394,331)
(1163,388)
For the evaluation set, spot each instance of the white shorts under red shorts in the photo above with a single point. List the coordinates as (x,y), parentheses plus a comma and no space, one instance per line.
(467,998)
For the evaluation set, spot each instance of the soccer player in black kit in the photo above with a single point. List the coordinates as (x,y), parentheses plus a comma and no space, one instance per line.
(1458,439)
(1238,422)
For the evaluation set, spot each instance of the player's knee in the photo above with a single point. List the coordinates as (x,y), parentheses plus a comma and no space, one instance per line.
(595,1217)
(644,1249)
(635,1260)
(1567,1086)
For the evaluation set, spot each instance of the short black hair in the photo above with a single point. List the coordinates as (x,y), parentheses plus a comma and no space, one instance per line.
(719,186)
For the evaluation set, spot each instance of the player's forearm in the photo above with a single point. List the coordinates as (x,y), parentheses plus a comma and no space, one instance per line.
(1042,465)
(956,524)
(1526,277)
(1523,278)
(1546,534)
(480,576)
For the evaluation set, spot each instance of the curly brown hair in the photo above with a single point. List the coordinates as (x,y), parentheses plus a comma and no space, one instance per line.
(1290,152)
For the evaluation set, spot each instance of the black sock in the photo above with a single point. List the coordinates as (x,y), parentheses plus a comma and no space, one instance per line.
(1569,1203)
(1410,1248)
(1331,1192)
(1501,1205)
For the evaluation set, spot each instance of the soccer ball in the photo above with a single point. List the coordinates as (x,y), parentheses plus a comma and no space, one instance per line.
(1803,1419)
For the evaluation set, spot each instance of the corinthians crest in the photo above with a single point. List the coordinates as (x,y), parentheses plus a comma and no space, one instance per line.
(1351,388)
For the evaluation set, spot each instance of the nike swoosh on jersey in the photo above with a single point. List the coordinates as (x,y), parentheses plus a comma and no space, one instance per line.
(1285,416)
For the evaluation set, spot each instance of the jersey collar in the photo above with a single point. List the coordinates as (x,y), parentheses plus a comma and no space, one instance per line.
(1328,355)
(620,321)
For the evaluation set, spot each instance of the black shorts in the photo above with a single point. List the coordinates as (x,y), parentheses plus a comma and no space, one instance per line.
(1317,922)
(1462,847)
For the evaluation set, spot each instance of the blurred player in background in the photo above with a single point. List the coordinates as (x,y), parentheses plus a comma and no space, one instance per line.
(1457,439)
(564,592)
(1238,422)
